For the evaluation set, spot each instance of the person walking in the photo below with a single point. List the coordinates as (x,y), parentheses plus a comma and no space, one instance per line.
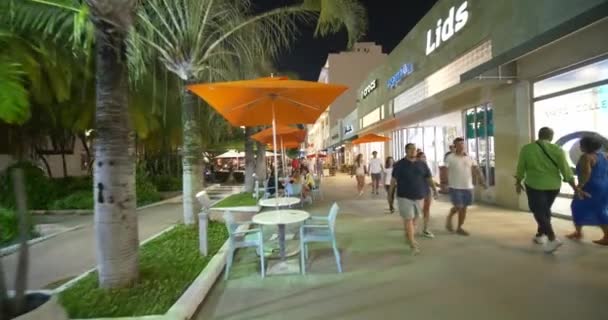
(388,176)
(319,166)
(461,169)
(359,171)
(375,170)
(411,178)
(426,203)
(590,207)
(541,167)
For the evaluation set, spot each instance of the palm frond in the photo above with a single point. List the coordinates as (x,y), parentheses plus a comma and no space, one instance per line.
(62,21)
(14,100)
(337,14)
(193,37)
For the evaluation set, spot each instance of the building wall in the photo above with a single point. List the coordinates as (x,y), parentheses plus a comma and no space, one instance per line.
(73,162)
(350,68)
(506,23)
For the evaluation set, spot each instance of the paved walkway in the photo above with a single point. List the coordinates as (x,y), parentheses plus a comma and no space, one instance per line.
(496,273)
(72,253)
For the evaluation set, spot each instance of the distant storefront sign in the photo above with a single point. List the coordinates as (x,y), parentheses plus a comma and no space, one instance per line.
(369,89)
(348,129)
(403,72)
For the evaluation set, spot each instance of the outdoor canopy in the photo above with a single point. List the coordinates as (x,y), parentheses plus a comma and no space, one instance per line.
(284,132)
(370,137)
(271,100)
(251,102)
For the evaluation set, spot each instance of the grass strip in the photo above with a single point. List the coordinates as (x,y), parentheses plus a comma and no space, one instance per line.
(244,199)
(168,265)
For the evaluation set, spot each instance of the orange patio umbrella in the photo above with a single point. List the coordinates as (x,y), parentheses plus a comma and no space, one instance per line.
(271,100)
(261,101)
(370,137)
(286,133)
(289,137)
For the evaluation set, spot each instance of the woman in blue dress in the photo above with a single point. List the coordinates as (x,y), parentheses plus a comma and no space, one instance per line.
(590,205)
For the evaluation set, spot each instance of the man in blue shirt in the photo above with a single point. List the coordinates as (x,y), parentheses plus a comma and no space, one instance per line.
(412,179)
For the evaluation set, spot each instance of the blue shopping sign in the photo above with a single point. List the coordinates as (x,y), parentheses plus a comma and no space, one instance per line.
(403,72)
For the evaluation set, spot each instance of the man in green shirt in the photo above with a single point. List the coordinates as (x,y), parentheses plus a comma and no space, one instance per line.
(541,166)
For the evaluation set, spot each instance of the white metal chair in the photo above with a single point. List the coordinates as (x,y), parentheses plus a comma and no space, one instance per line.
(242,239)
(324,230)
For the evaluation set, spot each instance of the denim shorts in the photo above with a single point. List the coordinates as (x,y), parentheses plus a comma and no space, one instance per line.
(461,197)
(408,209)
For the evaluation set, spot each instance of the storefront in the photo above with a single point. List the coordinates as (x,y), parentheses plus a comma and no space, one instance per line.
(494,72)
(350,128)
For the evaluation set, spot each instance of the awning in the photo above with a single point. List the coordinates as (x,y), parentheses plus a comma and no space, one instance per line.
(351,138)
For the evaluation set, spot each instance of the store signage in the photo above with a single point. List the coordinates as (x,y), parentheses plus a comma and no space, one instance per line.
(370,87)
(335,136)
(403,72)
(348,129)
(456,20)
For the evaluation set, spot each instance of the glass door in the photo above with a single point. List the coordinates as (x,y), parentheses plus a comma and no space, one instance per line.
(479,137)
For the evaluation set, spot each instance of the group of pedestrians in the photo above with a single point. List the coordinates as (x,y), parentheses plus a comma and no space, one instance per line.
(411,181)
(541,168)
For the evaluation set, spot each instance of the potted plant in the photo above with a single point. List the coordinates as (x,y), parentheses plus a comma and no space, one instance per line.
(22,305)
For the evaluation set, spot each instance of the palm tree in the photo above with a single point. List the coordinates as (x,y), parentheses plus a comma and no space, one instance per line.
(114,174)
(69,21)
(197,39)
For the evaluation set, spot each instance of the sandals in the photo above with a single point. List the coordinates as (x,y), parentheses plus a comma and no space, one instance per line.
(575,236)
(601,242)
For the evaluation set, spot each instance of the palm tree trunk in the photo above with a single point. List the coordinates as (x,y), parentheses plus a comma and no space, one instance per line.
(249,160)
(45,162)
(115,216)
(260,166)
(191,157)
(64,164)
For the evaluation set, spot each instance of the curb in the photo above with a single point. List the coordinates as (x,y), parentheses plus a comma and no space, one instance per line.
(13,248)
(90,212)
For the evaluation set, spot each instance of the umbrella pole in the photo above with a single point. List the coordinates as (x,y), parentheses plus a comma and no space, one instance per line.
(283,156)
(274,151)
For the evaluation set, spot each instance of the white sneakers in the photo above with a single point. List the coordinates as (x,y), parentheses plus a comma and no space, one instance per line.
(539,240)
(549,246)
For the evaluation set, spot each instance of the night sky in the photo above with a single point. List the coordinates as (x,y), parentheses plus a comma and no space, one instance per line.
(389,22)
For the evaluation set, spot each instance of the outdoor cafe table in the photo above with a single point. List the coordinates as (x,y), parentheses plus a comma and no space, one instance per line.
(281,218)
(279,202)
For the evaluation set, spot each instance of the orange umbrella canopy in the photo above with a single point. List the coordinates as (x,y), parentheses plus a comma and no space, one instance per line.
(256,102)
(286,145)
(284,132)
(371,137)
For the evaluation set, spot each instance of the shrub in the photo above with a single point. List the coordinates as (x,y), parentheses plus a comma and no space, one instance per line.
(39,189)
(145,189)
(82,199)
(9,226)
(167,183)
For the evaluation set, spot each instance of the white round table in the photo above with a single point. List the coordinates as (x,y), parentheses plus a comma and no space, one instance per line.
(281,218)
(279,202)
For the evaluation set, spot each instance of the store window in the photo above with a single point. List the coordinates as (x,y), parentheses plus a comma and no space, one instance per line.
(577,105)
(479,137)
(432,140)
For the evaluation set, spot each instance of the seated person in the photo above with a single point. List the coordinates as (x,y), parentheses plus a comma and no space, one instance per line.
(309,182)
(271,185)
